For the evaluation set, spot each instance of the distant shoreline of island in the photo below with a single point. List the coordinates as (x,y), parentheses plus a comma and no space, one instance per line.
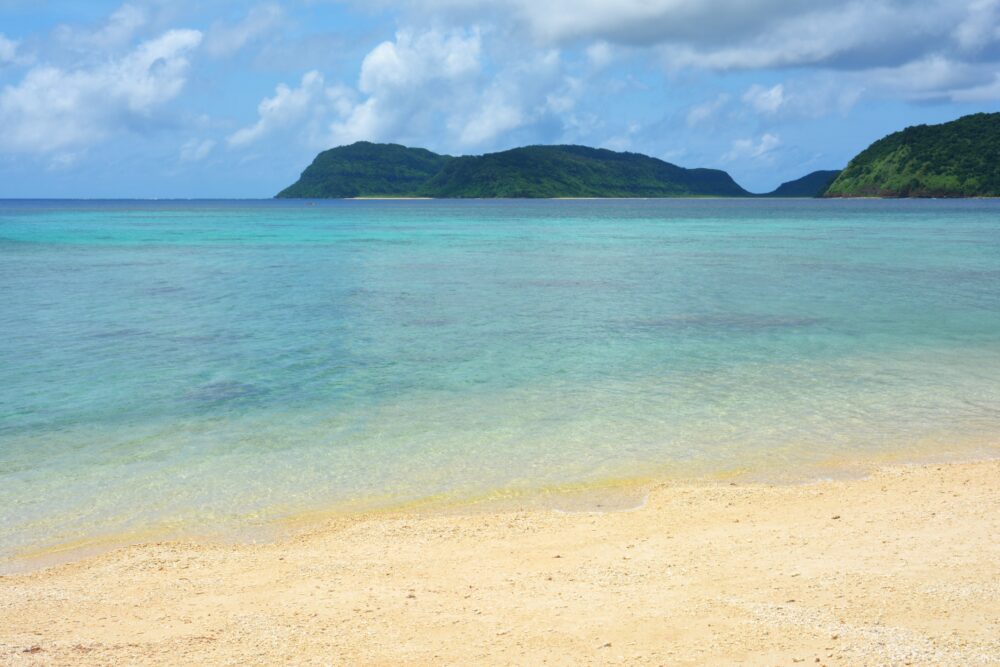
(958,159)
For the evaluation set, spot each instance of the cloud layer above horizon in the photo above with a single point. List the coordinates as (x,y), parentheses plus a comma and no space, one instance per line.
(156,98)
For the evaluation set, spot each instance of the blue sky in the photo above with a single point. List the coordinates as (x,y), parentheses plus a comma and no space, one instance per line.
(156,98)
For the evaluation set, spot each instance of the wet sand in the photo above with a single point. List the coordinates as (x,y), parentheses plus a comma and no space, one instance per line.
(901,567)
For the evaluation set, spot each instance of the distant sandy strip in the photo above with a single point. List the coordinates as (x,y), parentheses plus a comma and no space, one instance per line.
(899,568)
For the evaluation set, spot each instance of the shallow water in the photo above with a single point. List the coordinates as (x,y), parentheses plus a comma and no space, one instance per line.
(205,366)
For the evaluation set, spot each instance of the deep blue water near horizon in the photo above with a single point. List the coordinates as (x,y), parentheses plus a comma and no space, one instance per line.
(207,365)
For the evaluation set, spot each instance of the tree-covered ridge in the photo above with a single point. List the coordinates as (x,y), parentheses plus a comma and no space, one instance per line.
(810,185)
(364,169)
(574,171)
(389,170)
(956,159)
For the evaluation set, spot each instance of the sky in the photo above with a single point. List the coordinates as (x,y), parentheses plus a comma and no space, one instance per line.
(186,98)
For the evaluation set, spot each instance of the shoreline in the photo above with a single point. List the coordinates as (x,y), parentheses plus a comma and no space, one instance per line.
(599,492)
(609,493)
(900,565)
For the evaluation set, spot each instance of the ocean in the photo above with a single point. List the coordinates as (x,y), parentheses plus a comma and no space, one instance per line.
(210,368)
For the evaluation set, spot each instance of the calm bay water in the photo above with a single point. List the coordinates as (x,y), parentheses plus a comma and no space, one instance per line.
(210,365)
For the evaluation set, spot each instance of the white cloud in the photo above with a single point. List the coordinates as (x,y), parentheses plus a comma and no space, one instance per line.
(564,98)
(427,84)
(409,78)
(224,40)
(623,142)
(8,50)
(600,54)
(850,36)
(986,92)
(935,78)
(413,59)
(287,106)
(641,22)
(747,34)
(119,30)
(196,150)
(980,27)
(702,113)
(861,40)
(812,96)
(755,150)
(767,101)
(495,116)
(524,92)
(56,109)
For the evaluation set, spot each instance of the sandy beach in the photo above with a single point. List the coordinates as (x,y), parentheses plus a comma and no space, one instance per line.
(901,567)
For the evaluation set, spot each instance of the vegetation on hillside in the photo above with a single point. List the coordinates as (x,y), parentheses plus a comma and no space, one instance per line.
(810,185)
(364,169)
(389,170)
(956,159)
(574,171)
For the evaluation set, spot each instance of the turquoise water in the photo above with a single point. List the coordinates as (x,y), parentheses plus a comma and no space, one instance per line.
(205,366)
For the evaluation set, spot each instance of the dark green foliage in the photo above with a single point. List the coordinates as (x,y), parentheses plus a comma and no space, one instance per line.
(574,171)
(810,185)
(365,169)
(372,170)
(956,159)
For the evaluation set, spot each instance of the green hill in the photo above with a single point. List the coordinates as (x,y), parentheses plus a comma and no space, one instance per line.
(956,159)
(574,171)
(810,185)
(365,169)
(371,170)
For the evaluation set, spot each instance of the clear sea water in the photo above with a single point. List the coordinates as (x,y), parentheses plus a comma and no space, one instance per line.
(206,366)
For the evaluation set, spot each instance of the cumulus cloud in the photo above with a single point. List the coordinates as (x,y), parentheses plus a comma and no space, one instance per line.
(633,22)
(497,114)
(808,97)
(860,44)
(980,27)
(399,83)
(851,36)
(59,109)
(118,31)
(751,34)
(704,112)
(932,78)
(287,106)
(623,141)
(600,54)
(761,148)
(307,107)
(431,83)
(986,92)
(224,40)
(402,85)
(414,58)
(522,93)
(8,50)
(408,79)
(763,100)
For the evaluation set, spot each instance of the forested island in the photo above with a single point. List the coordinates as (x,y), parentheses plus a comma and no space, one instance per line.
(365,169)
(956,159)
